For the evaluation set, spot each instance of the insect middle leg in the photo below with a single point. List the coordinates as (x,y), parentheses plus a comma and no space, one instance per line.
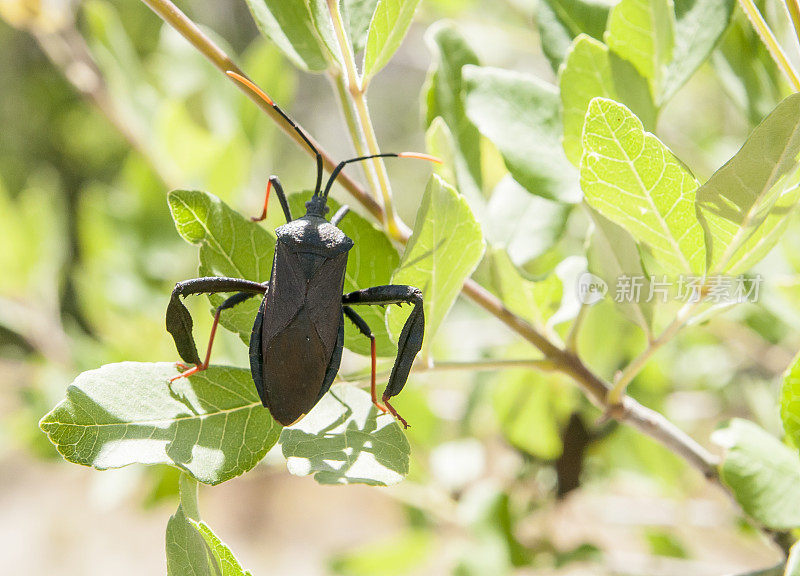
(364,328)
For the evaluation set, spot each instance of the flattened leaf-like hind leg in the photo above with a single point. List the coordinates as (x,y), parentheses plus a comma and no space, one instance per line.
(410,340)
(179,321)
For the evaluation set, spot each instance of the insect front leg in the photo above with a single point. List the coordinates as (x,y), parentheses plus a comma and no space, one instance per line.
(274,182)
(410,340)
(179,321)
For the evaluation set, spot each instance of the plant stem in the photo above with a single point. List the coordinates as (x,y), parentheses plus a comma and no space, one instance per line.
(465,365)
(793,7)
(768,38)
(629,411)
(393,226)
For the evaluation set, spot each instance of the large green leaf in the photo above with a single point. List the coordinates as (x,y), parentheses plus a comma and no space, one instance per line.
(344,441)
(230,245)
(560,21)
(641,32)
(290,26)
(192,547)
(592,70)
(211,425)
(371,262)
(699,25)
(526,226)
(740,196)
(632,179)
(389,25)
(762,473)
(532,408)
(443,95)
(444,249)
(535,301)
(521,115)
(613,254)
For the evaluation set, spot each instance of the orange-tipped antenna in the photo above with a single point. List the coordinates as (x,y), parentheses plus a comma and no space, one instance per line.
(335,173)
(261,94)
(420,156)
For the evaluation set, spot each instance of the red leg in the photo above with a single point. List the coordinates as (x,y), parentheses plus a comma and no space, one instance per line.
(372,381)
(266,202)
(200,367)
(393,411)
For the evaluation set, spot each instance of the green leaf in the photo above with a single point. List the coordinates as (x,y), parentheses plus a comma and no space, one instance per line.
(230,245)
(211,425)
(641,32)
(389,26)
(290,26)
(747,71)
(613,254)
(444,97)
(560,21)
(445,247)
(740,196)
(532,408)
(633,179)
(521,115)
(526,226)
(357,16)
(698,27)
(192,548)
(535,301)
(592,70)
(344,441)
(371,262)
(762,473)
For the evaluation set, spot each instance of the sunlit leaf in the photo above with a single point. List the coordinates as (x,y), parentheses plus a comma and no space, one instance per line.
(632,179)
(443,96)
(290,26)
(641,31)
(211,425)
(343,440)
(521,115)
(389,26)
(444,249)
(740,196)
(762,473)
(560,21)
(613,255)
(591,70)
(699,24)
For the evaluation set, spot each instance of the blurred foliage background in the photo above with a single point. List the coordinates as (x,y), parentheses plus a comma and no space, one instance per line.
(103,110)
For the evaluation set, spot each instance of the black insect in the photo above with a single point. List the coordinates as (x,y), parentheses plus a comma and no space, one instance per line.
(297,339)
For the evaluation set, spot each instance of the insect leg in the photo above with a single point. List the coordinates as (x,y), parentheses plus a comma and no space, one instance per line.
(179,321)
(364,328)
(230,302)
(410,340)
(340,213)
(273,181)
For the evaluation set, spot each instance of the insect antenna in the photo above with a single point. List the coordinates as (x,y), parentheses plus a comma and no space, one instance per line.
(261,94)
(341,165)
